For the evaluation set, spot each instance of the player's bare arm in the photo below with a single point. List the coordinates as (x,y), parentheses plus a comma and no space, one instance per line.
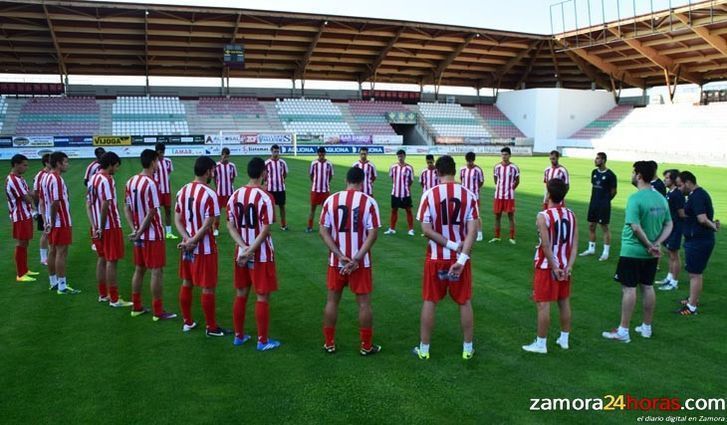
(573,255)
(53,214)
(325,233)
(466,249)
(653,248)
(104,216)
(134,231)
(182,231)
(352,265)
(516,183)
(558,271)
(706,222)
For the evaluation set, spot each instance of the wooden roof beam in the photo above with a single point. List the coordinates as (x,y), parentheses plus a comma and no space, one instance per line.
(586,69)
(61,62)
(608,68)
(529,68)
(452,56)
(714,40)
(303,64)
(382,55)
(515,60)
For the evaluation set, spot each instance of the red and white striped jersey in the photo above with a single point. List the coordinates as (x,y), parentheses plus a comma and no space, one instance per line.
(277,173)
(428,178)
(249,209)
(56,190)
(448,208)
(505,174)
(44,195)
(558,172)
(142,197)
(16,188)
(195,203)
(402,176)
(350,215)
(472,178)
(102,188)
(322,173)
(561,224)
(370,175)
(224,178)
(93,168)
(37,187)
(161,175)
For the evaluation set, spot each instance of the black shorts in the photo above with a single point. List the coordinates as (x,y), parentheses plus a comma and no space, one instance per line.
(599,212)
(696,254)
(41,223)
(674,241)
(631,272)
(404,202)
(279,198)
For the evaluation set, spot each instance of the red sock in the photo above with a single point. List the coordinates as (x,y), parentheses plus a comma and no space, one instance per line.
(156,306)
(113,292)
(21,260)
(310,223)
(208,307)
(185,303)
(409,219)
(497,232)
(103,290)
(394,217)
(136,300)
(238,315)
(329,332)
(512,232)
(366,335)
(262,316)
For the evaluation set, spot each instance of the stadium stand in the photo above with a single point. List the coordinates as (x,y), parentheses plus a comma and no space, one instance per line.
(233,114)
(451,119)
(69,116)
(497,123)
(312,116)
(371,116)
(3,111)
(149,116)
(599,127)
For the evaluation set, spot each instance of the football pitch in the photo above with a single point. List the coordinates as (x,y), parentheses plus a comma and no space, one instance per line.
(72,360)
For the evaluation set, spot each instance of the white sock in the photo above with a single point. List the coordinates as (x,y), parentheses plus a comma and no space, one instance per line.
(423,348)
(622,331)
(669,277)
(645,327)
(606,249)
(479,234)
(540,342)
(61,283)
(44,255)
(53,280)
(467,346)
(591,246)
(564,336)
(169,230)
(692,308)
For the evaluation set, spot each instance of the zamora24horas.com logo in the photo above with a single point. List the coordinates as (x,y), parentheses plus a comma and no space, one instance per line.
(629,402)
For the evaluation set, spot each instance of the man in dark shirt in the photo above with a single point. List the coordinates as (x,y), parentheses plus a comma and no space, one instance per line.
(603,190)
(676,201)
(657,184)
(699,230)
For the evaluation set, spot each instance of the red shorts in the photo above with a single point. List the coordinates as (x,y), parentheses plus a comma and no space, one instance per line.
(500,206)
(263,276)
(201,271)
(434,289)
(222,200)
(165,200)
(112,245)
(547,288)
(60,236)
(318,198)
(150,254)
(23,230)
(360,281)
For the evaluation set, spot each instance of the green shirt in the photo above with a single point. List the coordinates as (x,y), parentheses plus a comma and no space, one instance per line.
(650,210)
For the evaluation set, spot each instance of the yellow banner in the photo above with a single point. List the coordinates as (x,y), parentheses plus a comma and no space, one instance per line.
(112,140)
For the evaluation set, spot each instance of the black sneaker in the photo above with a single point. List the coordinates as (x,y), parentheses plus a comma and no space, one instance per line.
(330,349)
(284,228)
(371,351)
(686,311)
(218,332)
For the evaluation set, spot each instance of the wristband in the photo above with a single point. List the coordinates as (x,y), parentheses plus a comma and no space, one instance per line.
(452,245)
(462,258)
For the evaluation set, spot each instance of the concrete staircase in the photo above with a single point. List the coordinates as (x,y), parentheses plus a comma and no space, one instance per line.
(10,121)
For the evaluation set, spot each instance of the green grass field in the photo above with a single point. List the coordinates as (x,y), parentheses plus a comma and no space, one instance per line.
(72,360)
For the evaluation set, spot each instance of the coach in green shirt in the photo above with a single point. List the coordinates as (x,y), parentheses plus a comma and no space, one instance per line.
(647,225)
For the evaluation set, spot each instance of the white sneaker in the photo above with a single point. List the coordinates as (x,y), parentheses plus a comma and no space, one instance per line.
(643,332)
(187,328)
(535,348)
(669,286)
(103,299)
(662,282)
(603,257)
(613,334)
(411,232)
(587,253)
(512,241)
(563,344)
(216,232)
(390,232)
(121,303)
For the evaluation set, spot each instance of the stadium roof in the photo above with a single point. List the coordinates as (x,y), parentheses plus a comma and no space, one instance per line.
(104,38)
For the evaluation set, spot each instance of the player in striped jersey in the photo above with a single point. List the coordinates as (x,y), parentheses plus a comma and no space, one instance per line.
(58,225)
(402,176)
(349,227)
(225,173)
(194,215)
(472,178)
(251,213)
(554,259)
(20,207)
(555,171)
(141,207)
(94,166)
(321,173)
(428,177)
(277,172)
(38,202)
(103,213)
(369,170)
(162,178)
(448,213)
(507,178)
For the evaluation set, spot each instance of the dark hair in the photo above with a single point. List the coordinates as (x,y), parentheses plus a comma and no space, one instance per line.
(656,166)
(147,157)
(255,168)
(445,166)
(108,159)
(202,165)
(429,156)
(321,149)
(17,159)
(557,189)
(687,176)
(56,158)
(98,152)
(400,152)
(273,147)
(45,159)
(355,175)
(363,149)
(160,147)
(506,150)
(647,169)
(603,156)
(555,152)
(469,156)
(672,174)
